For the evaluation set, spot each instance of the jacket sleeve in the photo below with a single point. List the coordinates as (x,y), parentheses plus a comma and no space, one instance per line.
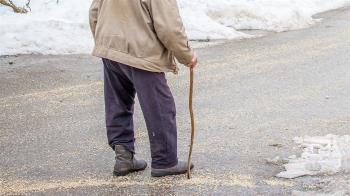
(170,29)
(93,13)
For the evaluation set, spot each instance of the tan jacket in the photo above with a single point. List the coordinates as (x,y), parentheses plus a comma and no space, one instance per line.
(146,34)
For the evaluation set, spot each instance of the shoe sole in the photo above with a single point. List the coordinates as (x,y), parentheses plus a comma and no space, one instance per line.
(163,174)
(157,175)
(124,173)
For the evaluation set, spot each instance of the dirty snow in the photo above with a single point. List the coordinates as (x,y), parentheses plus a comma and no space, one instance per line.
(62,28)
(328,154)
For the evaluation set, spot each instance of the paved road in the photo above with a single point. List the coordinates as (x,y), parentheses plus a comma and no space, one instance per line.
(250,95)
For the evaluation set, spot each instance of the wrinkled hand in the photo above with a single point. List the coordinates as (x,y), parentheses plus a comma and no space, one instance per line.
(194,61)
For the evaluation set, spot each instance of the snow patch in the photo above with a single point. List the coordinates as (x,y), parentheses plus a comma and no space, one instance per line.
(62,28)
(328,154)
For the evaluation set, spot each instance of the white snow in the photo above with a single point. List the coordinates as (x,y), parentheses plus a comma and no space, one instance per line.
(62,28)
(49,29)
(328,154)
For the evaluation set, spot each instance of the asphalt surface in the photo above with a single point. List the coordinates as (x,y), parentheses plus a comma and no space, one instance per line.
(252,97)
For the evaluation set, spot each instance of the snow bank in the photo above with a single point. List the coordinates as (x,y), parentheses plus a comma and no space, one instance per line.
(230,15)
(321,155)
(49,29)
(63,28)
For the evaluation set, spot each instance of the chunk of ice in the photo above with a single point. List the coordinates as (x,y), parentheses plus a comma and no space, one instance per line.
(321,155)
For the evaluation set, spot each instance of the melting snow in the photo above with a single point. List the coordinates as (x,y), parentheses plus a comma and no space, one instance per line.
(321,155)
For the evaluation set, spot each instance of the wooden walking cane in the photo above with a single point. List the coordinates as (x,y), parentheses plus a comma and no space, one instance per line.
(192,124)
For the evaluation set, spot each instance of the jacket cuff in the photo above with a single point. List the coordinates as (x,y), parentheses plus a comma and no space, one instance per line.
(187,56)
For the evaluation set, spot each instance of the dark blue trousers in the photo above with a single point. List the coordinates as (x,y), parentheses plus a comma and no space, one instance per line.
(121,84)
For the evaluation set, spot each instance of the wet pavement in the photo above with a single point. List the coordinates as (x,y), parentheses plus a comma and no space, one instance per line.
(252,97)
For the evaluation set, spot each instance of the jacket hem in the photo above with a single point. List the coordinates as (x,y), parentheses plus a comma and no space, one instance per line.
(132,61)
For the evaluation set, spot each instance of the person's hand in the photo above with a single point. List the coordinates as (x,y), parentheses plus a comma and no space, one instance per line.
(194,61)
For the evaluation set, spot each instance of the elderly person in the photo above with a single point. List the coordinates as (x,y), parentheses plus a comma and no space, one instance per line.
(138,40)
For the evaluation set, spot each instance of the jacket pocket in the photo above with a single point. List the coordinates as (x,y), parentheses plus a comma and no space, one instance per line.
(173,60)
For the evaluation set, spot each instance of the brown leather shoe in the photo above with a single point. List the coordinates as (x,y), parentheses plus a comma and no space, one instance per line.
(180,168)
(126,163)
